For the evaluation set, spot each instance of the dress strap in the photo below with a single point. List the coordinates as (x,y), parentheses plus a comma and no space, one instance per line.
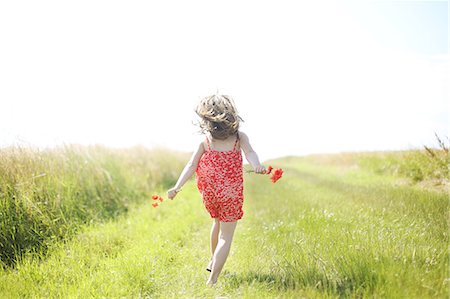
(207,142)
(236,142)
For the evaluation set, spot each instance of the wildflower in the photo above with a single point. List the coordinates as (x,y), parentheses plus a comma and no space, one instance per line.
(155,197)
(276,175)
(155,204)
(160,198)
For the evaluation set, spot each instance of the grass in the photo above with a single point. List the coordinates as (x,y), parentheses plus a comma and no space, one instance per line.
(332,227)
(46,195)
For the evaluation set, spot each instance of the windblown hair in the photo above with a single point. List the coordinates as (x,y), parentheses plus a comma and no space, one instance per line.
(218,116)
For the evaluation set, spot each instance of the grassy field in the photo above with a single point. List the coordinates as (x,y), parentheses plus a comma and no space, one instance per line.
(333,226)
(47,195)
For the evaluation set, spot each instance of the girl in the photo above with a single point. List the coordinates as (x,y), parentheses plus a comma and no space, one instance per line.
(218,164)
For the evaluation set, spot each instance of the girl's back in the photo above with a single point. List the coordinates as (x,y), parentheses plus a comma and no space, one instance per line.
(220,169)
(226,145)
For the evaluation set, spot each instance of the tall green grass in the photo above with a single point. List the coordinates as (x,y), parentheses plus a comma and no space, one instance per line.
(343,231)
(430,163)
(325,230)
(335,226)
(46,195)
(417,165)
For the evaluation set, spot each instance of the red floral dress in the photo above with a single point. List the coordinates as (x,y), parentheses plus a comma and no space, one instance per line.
(220,181)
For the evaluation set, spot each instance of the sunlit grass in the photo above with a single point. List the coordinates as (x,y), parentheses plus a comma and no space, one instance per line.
(325,230)
(45,195)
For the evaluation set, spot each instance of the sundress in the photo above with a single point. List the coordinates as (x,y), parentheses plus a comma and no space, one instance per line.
(220,182)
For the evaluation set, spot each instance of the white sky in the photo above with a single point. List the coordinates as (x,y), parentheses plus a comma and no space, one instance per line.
(306,77)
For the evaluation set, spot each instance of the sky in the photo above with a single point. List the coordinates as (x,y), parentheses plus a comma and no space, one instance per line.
(306,76)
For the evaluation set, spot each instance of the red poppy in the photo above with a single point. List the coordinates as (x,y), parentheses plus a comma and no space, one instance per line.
(155,197)
(276,175)
(160,198)
(269,169)
(155,204)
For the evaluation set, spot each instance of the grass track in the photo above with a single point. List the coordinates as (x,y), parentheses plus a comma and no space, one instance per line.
(320,232)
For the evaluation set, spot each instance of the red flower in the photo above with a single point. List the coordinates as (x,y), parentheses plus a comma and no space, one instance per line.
(276,175)
(155,197)
(160,198)
(269,169)
(155,204)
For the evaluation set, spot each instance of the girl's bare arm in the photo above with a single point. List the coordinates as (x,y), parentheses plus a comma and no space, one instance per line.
(250,154)
(187,172)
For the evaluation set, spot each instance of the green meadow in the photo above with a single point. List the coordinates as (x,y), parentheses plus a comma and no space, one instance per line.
(77,222)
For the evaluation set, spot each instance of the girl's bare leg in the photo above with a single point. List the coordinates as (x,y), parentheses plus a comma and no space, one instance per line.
(222,249)
(214,238)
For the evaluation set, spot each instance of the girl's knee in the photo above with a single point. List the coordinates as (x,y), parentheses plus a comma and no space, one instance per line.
(228,225)
(227,230)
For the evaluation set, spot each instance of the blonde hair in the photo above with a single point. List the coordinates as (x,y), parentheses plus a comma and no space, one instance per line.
(218,116)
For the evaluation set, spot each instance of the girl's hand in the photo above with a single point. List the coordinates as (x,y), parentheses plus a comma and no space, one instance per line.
(260,169)
(171,193)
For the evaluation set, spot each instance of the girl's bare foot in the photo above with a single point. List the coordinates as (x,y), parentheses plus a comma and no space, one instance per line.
(211,282)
